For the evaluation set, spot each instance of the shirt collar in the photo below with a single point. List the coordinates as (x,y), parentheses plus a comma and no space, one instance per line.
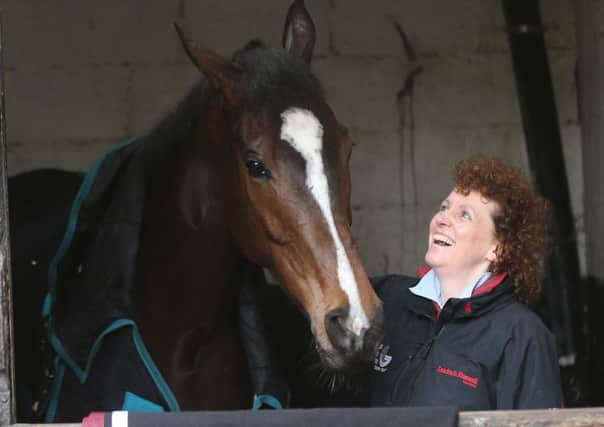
(429,287)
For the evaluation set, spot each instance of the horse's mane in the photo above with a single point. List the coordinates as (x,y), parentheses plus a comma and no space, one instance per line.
(179,126)
(274,79)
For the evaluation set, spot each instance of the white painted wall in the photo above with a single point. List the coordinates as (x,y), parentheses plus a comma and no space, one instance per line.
(83,75)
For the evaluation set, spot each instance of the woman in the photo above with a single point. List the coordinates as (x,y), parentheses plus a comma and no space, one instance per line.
(460,334)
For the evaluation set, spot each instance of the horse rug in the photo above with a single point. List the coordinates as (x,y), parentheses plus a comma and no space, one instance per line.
(100,360)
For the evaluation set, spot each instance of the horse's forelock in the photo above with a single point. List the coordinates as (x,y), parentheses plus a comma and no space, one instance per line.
(275,79)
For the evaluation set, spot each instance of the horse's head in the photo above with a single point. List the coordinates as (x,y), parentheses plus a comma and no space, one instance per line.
(285,191)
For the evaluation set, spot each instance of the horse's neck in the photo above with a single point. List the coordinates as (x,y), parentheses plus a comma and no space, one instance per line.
(187,290)
(188,276)
(187,257)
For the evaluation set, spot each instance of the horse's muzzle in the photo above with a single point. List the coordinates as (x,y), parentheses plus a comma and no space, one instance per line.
(352,348)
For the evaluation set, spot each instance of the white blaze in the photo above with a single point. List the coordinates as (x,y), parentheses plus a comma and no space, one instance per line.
(303,131)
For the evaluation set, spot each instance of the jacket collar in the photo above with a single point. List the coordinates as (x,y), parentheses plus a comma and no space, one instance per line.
(496,291)
(429,286)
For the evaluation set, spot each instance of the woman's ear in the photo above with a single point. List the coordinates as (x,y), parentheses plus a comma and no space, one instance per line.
(492,255)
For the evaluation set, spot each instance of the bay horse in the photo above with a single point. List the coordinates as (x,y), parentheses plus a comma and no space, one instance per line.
(257,171)
(266,179)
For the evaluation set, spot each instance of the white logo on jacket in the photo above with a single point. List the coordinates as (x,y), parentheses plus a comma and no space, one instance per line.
(382,358)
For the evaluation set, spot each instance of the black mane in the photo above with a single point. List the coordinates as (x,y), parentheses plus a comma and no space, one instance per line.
(180,125)
(275,79)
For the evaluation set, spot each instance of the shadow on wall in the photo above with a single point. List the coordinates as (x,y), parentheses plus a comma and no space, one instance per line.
(595,367)
(582,381)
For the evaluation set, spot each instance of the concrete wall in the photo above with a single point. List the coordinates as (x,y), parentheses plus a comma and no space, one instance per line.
(82,75)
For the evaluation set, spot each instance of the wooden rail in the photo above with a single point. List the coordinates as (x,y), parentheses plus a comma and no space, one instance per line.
(577,417)
(47,425)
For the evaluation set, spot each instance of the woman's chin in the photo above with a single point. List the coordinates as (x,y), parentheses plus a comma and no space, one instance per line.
(437,257)
(432,260)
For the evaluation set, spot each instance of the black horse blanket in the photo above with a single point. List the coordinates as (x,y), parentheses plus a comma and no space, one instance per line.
(88,310)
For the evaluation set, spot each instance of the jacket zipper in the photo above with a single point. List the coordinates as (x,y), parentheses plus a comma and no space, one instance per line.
(423,352)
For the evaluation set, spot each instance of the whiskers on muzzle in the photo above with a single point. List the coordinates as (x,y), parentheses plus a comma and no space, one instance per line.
(349,382)
(351,349)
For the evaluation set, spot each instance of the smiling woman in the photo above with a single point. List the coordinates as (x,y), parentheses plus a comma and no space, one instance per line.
(459,334)
(462,242)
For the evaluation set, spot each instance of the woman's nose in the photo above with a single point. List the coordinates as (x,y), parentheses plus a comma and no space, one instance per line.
(442,218)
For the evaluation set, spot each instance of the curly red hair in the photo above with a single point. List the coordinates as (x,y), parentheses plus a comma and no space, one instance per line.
(522,221)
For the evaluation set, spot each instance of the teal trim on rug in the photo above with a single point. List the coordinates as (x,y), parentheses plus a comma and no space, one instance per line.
(82,374)
(135,403)
(265,399)
(55,390)
(72,223)
(157,377)
(46,306)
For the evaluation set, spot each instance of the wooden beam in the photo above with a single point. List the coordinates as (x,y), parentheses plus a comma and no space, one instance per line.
(576,417)
(7,404)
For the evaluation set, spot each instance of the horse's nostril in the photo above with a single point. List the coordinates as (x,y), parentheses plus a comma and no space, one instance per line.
(339,334)
(337,317)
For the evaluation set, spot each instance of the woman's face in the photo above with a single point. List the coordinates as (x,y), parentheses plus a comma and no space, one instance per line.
(462,235)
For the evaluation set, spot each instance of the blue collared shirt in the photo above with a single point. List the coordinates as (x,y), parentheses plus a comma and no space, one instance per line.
(429,287)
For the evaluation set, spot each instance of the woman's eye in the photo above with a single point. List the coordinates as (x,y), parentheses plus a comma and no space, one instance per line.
(442,208)
(466,215)
(257,169)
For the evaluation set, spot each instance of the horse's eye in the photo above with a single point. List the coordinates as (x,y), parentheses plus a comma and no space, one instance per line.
(257,169)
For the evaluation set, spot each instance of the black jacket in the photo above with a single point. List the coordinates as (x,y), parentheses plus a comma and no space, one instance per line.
(478,353)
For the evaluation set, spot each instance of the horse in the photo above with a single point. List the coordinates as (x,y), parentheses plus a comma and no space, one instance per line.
(252,168)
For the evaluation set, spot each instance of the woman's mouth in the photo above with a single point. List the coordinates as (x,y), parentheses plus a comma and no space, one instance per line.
(442,240)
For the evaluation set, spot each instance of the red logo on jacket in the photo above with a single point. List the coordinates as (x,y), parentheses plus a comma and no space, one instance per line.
(466,379)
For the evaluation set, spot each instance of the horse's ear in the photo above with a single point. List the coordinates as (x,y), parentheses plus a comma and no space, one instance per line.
(223,74)
(299,32)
